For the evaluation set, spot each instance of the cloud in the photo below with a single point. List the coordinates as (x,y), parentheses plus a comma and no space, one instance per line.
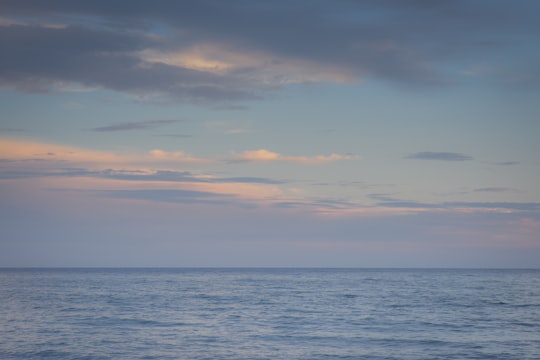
(11,130)
(141,125)
(175,156)
(30,159)
(443,156)
(506,163)
(208,52)
(410,205)
(25,150)
(354,184)
(168,195)
(258,155)
(382,197)
(174,135)
(165,176)
(493,189)
(512,206)
(237,131)
(42,59)
(248,179)
(69,156)
(229,127)
(263,155)
(60,167)
(458,206)
(173,176)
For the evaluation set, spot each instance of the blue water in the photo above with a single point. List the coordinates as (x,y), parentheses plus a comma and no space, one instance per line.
(269,314)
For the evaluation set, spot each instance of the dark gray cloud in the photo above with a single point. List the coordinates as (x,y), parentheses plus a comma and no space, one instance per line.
(411,43)
(40,58)
(443,156)
(141,125)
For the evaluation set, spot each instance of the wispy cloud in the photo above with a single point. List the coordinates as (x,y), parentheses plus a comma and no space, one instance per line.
(62,167)
(169,195)
(511,206)
(506,163)
(73,168)
(11,130)
(459,206)
(175,156)
(174,135)
(174,176)
(494,189)
(27,149)
(229,127)
(141,125)
(382,197)
(69,156)
(178,176)
(263,155)
(237,131)
(442,156)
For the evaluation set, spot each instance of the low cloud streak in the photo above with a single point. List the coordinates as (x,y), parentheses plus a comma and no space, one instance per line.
(141,125)
(441,156)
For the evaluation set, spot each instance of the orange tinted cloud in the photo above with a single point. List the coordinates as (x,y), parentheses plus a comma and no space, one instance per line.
(259,155)
(24,149)
(174,155)
(31,150)
(217,59)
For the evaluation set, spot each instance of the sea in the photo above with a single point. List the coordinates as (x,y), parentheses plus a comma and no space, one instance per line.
(195,314)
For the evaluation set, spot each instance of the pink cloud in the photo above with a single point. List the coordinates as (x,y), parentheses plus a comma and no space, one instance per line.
(267,155)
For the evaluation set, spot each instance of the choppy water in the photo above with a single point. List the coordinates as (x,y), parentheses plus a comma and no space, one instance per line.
(269,314)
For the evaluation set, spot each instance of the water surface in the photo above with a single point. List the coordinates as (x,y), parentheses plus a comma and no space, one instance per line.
(269,314)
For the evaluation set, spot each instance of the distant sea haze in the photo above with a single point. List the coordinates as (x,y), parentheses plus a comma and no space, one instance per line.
(269,314)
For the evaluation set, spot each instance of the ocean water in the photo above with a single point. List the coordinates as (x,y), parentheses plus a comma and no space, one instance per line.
(269,314)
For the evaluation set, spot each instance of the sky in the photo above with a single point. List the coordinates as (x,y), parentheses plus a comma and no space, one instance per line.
(302,133)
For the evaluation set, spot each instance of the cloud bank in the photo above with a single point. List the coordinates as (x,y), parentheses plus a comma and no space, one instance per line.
(212,52)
